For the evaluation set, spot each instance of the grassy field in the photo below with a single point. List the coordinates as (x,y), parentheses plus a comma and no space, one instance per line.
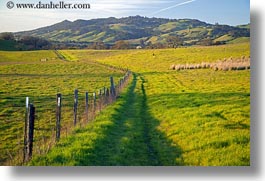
(203,112)
(160,60)
(23,74)
(166,117)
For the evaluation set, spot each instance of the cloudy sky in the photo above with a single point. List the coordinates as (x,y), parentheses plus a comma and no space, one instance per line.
(232,12)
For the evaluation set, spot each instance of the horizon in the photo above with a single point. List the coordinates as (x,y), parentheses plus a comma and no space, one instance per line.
(126,17)
(225,12)
(149,18)
(116,18)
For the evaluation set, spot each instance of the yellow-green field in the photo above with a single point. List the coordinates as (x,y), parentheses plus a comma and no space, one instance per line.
(205,113)
(23,74)
(164,117)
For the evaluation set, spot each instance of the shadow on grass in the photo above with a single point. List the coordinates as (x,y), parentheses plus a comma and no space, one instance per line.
(193,100)
(196,101)
(130,139)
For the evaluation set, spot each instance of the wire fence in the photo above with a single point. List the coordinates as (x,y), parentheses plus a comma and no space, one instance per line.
(48,119)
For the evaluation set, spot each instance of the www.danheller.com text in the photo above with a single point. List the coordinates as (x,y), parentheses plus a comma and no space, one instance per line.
(50,5)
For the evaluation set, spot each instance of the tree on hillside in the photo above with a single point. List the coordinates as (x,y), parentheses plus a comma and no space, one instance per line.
(98,46)
(148,45)
(7,36)
(158,45)
(174,41)
(206,42)
(142,43)
(121,44)
(34,43)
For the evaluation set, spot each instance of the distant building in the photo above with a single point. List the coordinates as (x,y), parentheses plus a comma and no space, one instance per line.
(139,47)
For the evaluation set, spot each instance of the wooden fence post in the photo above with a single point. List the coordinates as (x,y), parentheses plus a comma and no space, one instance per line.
(120,87)
(104,91)
(107,96)
(100,100)
(112,87)
(75,105)
(58,116)
(30,132)
(94,104)
(104,96)
(86,106)
(26,130)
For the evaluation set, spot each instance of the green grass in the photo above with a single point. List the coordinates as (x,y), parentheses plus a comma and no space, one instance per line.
(224,38)
(168,26)
(118,136)
(66,56)
(195,32)
(239,40)
(161,59)
(205,113)
(22,57)
(165,117)
(24,75)
(247,26)
(173,26)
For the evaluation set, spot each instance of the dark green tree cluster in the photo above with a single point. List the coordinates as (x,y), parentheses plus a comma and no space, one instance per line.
(121,44)
(98,46)
(7,36)
(24,42)
(35,43)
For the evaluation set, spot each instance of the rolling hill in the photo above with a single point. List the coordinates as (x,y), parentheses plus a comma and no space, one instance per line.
(137,30)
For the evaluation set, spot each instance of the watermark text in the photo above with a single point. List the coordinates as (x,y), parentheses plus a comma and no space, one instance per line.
(50,5)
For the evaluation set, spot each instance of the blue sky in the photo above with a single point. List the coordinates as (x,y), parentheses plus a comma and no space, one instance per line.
(231,12)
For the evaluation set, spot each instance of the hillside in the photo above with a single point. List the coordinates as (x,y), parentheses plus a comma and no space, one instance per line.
(137,30)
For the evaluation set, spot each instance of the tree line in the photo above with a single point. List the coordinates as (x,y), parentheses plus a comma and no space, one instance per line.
(170,42)
(25,42)
(36,43)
